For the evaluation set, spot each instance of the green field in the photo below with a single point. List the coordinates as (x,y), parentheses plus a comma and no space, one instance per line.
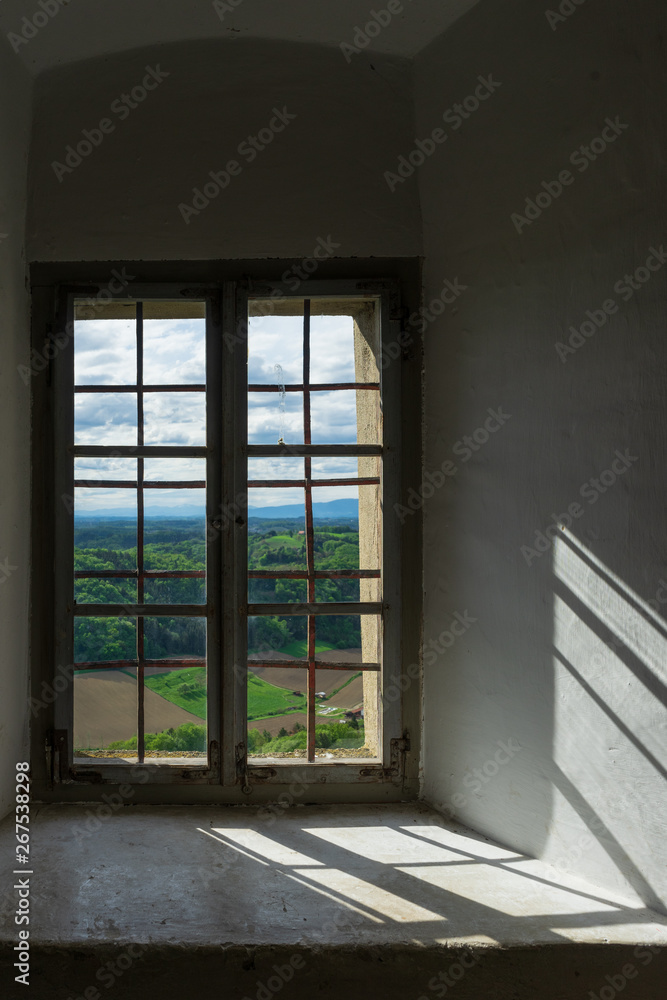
(187,689)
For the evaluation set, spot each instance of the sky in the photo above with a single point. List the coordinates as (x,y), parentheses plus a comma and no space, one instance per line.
(174,353)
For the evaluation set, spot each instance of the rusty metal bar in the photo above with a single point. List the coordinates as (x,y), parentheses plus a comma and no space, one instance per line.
(134,451)
(142,610)
(140,535)
(141,388)
(319,664)
(314,387)
(149,574)
(118,664)
(129,484)
(298,450)
(315,608)
(302,574)
(273,483)
(310,534)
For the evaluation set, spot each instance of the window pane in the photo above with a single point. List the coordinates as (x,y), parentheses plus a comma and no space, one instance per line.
(339,712)
(275,345)
(277,637)
(175,712)
(331,348)
(174,638)
(275,417)
(175,542)
(282,546)
(105,343)
(105,468)
(105,529)
(175,419)
(102,640)
(346,416)
(105,418)
(174,342)
(105,713)
(174,469)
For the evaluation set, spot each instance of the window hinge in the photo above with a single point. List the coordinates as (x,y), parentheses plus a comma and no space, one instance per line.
(56,755)
(242,768)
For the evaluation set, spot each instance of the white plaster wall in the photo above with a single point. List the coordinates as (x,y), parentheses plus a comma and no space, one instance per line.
(320,177)
(565,658)
(14,426)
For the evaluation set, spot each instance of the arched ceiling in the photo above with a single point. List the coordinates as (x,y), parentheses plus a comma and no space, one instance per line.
(59,32)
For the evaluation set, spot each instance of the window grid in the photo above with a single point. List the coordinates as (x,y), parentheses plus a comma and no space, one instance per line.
(140,610)
(313,609)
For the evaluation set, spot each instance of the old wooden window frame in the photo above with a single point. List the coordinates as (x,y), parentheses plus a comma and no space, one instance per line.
(227,310)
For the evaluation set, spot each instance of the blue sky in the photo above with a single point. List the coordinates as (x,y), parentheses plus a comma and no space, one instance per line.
(174,352)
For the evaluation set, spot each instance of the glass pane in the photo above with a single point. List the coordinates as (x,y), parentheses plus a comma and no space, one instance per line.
(338,638)
(346,416)
(275,417)
(175,541)
(102,640)
(175,419)
(106,468)
(347,530)
(175,712)
(107,590)
(333,468)
(277,544)
(331,348)
(277,591)
(174,638)
(277,637)
(277,698)
(105,713)
(105,529)
(174,469)
(174,342)
(105,343)
(339,712)
(105,418)
(275,345)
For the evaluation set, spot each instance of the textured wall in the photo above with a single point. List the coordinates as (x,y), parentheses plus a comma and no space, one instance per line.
(565,662)
(319,174)
(15,422)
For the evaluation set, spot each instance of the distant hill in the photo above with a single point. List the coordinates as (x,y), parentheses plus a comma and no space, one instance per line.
(347,507)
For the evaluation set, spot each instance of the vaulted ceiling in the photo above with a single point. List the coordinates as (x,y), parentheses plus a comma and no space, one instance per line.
(50,33)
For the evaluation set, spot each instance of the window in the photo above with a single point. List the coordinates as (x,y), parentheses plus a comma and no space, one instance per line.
(227,571)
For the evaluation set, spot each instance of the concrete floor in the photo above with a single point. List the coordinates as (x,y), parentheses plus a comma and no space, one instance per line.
(239,888)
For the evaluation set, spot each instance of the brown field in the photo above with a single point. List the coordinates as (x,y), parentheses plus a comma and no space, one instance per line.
(105,709)
(296,679)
